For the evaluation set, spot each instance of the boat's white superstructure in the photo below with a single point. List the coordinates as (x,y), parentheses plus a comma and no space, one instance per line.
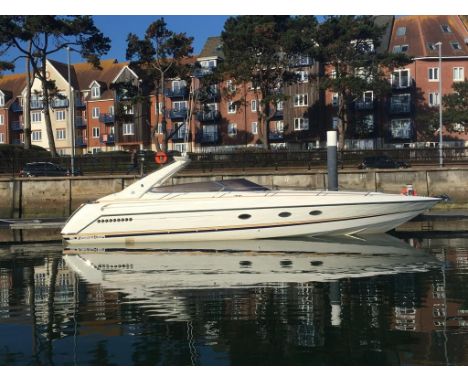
(146,211)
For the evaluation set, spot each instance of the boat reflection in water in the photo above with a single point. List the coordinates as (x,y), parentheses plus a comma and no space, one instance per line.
(153,276)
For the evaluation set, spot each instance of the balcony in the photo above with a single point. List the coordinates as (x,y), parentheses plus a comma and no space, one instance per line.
(106,118)
(79,103)
(209,116)
(37,104)
(202,72)
(80,122)
(16,107)
(59,103)
(278,114)
(207,137)
(364,105)
(81,142)
(108,139)
(17,125)
(177,93)
(401,82)
(178,114)
(275,136)
(398,108)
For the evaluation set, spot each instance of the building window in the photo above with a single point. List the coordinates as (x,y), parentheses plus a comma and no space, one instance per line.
(158,107)
(36,116)
(401,128)
(446,28)
(400,103)
(128,109)
(401,78)
(2,99)
(367,123)
(96,132)
(128,128)
(96,113)
(458,74)
(455,45)
(400,48)
(254,127)
(2,138)
(181,129)
(279,105)
(253,105)
(301,124)
(434,99)
(210,133)
(179,105)
(279,126)
(401,31)
(95,91)
(303,76)
(335,121)
(301,100)
(232,108)
(36,135)
(159,129)
(458,127)
(178,85)
(232,129)
(2,119)
(433,74)
(60,115)
(335,99)
(230,86)
(60,134)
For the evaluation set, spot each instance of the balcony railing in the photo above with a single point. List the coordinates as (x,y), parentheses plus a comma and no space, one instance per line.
(177,93)
(16,107)
(106,118)
(80,122)
(58,103)
(364,105)
(275,136)
(208,116)
(400,108)
(208,137)
(80,141)
(278,113)
(17,125)
(108,139)
(37,104)
(201,72)
(178,114)
(79,103)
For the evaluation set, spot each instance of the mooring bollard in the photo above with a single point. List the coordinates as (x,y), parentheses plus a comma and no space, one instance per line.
(332,164)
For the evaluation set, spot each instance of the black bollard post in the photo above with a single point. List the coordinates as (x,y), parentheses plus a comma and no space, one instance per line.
(332,165)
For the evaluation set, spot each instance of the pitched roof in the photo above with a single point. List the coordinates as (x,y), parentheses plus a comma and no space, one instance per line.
(213,48)
(63,70)
(387,22)
(13,85)
(424,30)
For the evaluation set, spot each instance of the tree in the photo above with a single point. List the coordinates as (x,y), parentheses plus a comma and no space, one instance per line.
(38,37)
(348,48)
(157,57)
(259,50)
(456,104)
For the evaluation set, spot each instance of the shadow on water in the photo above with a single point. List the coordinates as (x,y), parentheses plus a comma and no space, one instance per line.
(378,300)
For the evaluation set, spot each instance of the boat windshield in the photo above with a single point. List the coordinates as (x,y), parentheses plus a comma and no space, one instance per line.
(214,186)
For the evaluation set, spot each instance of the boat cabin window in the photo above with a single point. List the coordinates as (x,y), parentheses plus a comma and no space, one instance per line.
(214,186)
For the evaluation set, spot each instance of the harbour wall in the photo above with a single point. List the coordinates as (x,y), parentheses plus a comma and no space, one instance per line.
(59,197)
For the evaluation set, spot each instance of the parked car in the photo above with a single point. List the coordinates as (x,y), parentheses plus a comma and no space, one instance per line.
(382,161)
(45,169)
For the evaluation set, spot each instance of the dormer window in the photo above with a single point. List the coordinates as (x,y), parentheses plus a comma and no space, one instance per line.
(455,45)
(431,46)
(95,91)
(446,28)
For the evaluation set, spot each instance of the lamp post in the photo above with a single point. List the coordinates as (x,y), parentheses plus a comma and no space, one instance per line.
(441,159)
(71,115)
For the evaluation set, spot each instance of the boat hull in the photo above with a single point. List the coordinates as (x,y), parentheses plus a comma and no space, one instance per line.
(241,217)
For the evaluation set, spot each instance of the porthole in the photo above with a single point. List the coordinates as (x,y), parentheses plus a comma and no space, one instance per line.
(244,216)
(245,264)
(316,263)
(286,263)
(284,214)
(315,212)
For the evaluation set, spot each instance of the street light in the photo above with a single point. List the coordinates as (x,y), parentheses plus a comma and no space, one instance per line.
(441,159)
(71,115)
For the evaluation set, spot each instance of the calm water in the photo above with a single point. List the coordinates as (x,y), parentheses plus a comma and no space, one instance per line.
(380,301)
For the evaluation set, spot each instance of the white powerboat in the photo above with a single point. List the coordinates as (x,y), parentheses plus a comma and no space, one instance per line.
(151,211)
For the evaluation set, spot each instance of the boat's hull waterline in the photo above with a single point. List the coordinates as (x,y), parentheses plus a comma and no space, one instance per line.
(147,211)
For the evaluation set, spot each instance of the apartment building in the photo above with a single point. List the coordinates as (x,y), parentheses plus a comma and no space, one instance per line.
(11,121)
(416,86)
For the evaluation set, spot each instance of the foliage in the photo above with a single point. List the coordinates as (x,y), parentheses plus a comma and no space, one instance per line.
(158,56)
(261,50)
(456,104)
